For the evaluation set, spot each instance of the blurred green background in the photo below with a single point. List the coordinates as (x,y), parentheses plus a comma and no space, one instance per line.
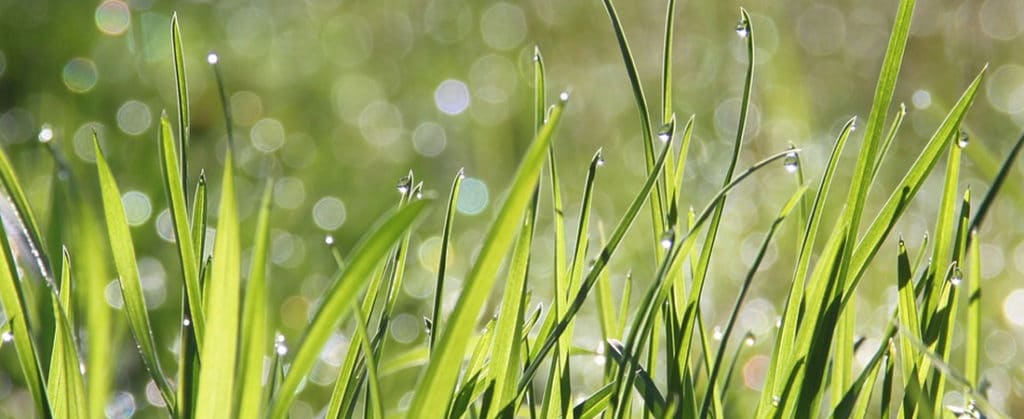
(336,100)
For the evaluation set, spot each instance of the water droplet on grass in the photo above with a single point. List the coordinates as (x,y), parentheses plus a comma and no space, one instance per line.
(742,28)
(717,333)
(750,340)
(212,58)
(963,139)
(665,133)
(7,337)
(600,158)
(776,400)
(668,239)
(329,240)
(957,277)
(45,133)
(564,96)
(404,183)
(279,345)
(791,162)
(186,322)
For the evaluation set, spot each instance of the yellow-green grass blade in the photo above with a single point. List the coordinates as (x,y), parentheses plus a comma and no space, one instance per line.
(181,93)
(339,300)
(123,250)
(434,388)
(594,404)
(972,341)
(860,184)
(256,334)
(943,243)
(65,386)
(376,407)
(782,351)
(997,183)
(793,201)
(894,128)
(857,399)
(887,383)
(509,331)
(704,260)
(907,311)
(909,185)
(219,355)
(23,217)
(657,199)
(198,224)
(187,257)
(442,263)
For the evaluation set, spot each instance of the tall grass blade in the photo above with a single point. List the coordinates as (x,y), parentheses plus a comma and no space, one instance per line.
(181,93)
(997,184)
(131,289)
(65,386)
(255,335)
(434,388)
(442,263)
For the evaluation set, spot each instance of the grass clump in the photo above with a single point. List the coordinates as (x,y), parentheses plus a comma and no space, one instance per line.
(665,362)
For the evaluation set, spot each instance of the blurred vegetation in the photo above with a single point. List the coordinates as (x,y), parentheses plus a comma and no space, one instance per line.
(337,100)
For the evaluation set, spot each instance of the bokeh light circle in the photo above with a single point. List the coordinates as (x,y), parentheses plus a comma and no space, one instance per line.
(137,207)
(134,117)
(473,196)
(113,17)
(429,139)
(452,97)
(503,26)
(80,75)
(267,135)
(329,213)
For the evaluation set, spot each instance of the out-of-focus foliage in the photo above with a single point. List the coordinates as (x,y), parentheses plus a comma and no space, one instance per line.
(336,100)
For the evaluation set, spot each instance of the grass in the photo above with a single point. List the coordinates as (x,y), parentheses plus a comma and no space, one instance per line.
(665,360)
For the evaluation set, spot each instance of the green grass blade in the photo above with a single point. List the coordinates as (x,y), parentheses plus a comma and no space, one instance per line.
(594,404)
(442,264)
(219,356)
(857,399)
(654,402)
(198,225)
(65,386)
(972,352)
(434,388)
(339,300)
(911,184)
(883,151)
(131,289)
(181,93)
(943,242)
(657,199)
(183,236)
(375,404)
(256,333)
(997,184)
(907,310)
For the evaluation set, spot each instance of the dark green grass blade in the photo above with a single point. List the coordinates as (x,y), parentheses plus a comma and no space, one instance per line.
(376,406)
(434,388)
(657,199)
(594,404)
(654,402)
(131,289)
(181,92)
(997,184)
(198,224)
(65,386)
(972,342)
(338,301)
(187,256)
(857,399)
(256,334)
(442,264)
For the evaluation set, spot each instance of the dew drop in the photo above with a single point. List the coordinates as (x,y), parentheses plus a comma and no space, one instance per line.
(564,96)
(750,340)
(536,53)
(403,184)
(742,28)
(7,337)
(600,159)
(279,345)
(717,333)
(668,239)
(186,322)
(665,133)
(776,400)
(963,139)
(778,322)
(212,58)
(428,325)
(45,133)
(462,173)
(329,240)
(957,277)
(419,194)
(791,162)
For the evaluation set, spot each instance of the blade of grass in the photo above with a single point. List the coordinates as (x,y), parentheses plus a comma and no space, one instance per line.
(654,402)
(434,388)
(255,337)
(997,184)
(182,233)
(442,263)
(181,93)
(131,289)
(219,355)
(65,386)
(198,225)
(339,299)
(973,339)
(376,406)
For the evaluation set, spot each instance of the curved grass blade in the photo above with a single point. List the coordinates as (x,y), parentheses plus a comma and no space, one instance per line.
(181,90)
(217,377)
(375,405)
(658,197)
(65,386)
(256,334)
(434,389)
(893,129)
(654,402)
(128,275)
(997,184)
(713,376)
(13,300)
(339,299)
(442,263)
(594,404)
(182,233)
